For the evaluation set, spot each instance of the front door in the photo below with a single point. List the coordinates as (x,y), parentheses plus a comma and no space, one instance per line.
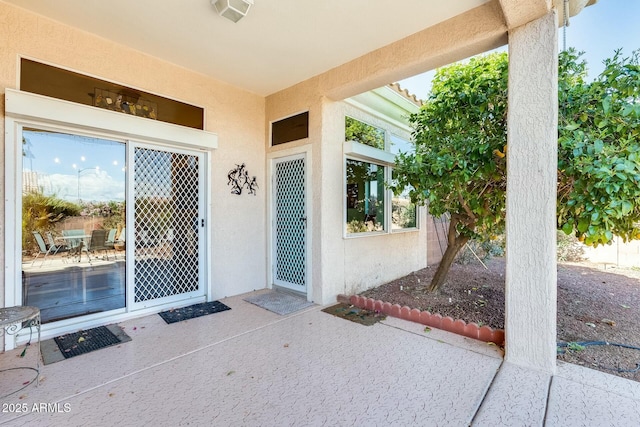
(168,225)
(290,223)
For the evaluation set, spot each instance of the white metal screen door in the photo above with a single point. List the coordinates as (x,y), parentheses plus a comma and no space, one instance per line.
(290,223)
(168,224)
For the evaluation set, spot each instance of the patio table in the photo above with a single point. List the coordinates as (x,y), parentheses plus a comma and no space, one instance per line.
(77,243)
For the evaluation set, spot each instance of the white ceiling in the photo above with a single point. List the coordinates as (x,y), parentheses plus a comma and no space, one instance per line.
(278,44)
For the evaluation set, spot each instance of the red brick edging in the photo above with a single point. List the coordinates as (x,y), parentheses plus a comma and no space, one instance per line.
(460,327)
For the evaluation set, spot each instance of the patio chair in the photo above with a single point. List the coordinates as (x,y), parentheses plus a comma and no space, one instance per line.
(45,249)
(76,251)
(119,242)
(55,248)
(98,243)
(111,238)
(42,246)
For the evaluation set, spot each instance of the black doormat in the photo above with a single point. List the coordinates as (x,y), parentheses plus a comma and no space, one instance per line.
(355,314)
(193,311)
(77,343)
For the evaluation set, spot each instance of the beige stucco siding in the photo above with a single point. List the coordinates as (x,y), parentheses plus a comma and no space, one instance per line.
(374,260)
(237,259)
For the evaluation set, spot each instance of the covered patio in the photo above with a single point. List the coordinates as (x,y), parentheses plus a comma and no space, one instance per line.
(248,366)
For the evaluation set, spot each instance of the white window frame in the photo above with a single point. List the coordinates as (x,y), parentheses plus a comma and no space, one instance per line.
(417,226)
(386,200)
(357,151)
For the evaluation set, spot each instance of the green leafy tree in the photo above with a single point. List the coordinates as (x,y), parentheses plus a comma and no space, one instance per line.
(599,149)
(459,164)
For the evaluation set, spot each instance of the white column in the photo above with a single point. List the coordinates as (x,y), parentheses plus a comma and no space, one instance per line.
(531,195)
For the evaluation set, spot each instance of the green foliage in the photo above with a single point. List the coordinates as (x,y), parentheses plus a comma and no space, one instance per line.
(41,213)
(355,130)
(458,166)
(574,346)
(599,149)
(356,226)
(403,213)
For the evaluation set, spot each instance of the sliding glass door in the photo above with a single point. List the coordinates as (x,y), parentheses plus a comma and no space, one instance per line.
(80,254)
(73,224)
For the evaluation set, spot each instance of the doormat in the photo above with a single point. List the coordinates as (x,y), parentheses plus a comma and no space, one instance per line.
(281,303)
(193,311)
(81,342)
(355,314)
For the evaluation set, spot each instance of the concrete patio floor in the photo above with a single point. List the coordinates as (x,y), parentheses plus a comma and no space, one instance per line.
(251,367)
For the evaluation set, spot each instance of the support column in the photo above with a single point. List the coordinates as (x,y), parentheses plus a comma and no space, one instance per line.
(532,158)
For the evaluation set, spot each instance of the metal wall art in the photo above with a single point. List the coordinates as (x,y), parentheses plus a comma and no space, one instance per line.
(136,106)
(238,178)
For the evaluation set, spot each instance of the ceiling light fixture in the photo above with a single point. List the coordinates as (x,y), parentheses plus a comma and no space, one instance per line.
(233,10)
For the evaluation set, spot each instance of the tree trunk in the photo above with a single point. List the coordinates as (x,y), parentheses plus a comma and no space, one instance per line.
(455,243)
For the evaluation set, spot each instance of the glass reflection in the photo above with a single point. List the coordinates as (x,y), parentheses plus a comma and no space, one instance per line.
(365,197)
(403,211)
(73,224)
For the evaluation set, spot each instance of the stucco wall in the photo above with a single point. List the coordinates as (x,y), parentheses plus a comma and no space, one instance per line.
(237,258)
(618,254)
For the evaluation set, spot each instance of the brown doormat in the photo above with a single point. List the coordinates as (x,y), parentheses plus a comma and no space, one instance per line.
(355,314)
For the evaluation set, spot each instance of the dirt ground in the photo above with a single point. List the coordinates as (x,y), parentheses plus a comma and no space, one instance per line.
(594,304)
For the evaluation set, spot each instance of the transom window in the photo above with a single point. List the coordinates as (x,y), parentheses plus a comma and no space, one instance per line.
(364,133)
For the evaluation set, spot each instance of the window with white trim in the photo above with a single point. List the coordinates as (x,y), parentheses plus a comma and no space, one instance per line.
(365,197)
(369,206)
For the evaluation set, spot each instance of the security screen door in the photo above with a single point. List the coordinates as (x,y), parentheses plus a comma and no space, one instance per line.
(290,223)
(168,225)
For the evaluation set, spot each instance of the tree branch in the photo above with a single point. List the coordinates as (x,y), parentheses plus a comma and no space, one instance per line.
(466,208)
